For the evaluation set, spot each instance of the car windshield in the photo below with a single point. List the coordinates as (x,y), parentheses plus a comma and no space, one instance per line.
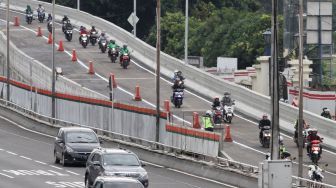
(122,185)
(120,160)
(81,137)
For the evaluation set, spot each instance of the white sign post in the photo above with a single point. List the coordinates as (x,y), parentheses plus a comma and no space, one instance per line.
(133,20)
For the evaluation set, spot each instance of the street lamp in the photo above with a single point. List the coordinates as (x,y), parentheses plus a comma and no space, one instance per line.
(267,37)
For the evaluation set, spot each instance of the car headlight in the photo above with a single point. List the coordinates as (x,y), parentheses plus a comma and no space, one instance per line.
(69,150)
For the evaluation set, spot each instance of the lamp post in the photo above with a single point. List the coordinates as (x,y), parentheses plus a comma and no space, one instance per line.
(158,48)
(8,36)
(78,4)
(267,37)
(53,100)
(186,32)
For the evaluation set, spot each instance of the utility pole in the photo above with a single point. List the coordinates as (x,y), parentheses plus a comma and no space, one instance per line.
(186,32)
(275,84)
(300,123)
(158,48)
(134,16)
(8,63)
(53,101)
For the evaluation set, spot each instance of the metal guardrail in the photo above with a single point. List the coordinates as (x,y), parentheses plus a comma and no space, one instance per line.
(155,146)
(310,184)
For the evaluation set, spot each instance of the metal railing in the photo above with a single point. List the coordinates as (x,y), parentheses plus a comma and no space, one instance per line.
(309,183)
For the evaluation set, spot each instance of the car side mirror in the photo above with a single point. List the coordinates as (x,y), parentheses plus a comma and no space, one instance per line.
(143,164)
(100,140)
(58,140)
(96,163)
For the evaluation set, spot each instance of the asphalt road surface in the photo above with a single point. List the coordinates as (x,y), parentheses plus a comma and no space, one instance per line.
(26,160)
(245,148)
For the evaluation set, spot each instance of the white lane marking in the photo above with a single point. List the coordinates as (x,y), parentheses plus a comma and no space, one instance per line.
(248,147)
(152,164)
(14,123)
(210,180)
(72,172)
(56,167)
(6,175)
(25,157)
(40,162)
(11,153)
(1,149)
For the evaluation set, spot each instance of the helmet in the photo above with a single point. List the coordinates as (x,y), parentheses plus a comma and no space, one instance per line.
(313,130)
(216,97)
(39,5)
(264,116)
(102,34)
(226,93)
(208,112)
(49,15)
(179,73)
(93,27)
(125,46)
(327,110)
(175,72)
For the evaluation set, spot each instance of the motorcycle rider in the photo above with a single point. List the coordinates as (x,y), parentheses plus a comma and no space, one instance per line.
(284,154)
(40,10)
(124,50)
(226,100)
(28,11)
(207,121)
(178,74)
(262,123)
(82,31)
(216,103)
(177,85)
(100,38)
(68,25)
(312,135)
(93,29)
(112,44)
(49,18)
(314,171)
(305,126)
(326,113)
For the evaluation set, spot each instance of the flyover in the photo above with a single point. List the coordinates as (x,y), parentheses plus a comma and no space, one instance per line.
(242,128)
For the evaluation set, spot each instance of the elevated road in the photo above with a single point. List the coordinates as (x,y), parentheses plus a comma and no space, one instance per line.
(246,147)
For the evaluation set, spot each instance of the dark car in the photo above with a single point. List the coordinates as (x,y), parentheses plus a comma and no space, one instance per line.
(114,162)
(116,182)
(74,145)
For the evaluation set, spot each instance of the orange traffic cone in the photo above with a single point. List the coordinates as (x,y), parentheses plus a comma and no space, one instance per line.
(137,96)
(112,81)
(74,55)
(227,134)
(196,124)
(91,71)
(60,46)
(16,21)
(167,105)
(39,32)
(50,39)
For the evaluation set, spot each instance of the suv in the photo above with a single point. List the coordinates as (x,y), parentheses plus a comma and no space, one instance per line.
(116,182)
(74,145)
(114,162)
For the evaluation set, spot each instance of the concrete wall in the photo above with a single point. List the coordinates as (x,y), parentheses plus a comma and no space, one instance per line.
(118,118)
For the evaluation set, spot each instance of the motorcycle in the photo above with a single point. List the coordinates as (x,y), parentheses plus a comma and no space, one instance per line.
(113,55)
(93,37)
(178,97)
(84,40)
(125,61)
(103,46)
(29,18)
(265,140)
(49,26)
(218,115)
(315,151)
(68,34)
(228,113)
(41,16)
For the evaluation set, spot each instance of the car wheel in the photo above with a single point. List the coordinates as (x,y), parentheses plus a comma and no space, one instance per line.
(56,160)
(87,183)
(63,160)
